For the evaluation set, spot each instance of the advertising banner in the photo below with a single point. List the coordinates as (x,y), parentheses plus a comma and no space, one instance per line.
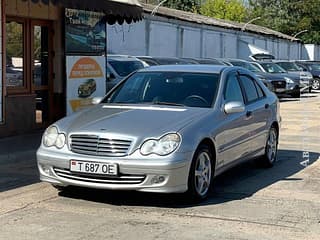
(86,79)
(85,32)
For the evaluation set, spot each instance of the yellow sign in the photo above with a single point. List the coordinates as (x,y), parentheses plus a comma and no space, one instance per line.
(77,104)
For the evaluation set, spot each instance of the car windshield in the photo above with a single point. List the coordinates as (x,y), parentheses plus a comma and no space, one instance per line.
(124,68)
(289,66)
(167,88)
(246,65)
(272,68)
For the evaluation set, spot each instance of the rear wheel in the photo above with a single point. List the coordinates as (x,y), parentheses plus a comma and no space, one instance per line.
(271,148)
(201,173)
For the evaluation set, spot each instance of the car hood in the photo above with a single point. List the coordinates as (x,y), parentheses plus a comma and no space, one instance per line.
(131,120)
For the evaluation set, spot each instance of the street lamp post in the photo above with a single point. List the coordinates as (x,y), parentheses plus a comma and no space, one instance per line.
(303,31)
(245,25)
(156,8)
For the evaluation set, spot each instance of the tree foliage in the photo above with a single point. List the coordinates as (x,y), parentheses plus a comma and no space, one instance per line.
(184,5)
(233,10)
(289,16)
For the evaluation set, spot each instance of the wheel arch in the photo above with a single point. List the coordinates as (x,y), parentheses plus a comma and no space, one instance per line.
(207,141)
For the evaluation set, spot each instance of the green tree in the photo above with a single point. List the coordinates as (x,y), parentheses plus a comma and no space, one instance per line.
(233,10)
(289,16)
(184,5)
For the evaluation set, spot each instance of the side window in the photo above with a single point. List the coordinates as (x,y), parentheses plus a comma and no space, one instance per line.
(261,93)
(233,90)
(249,88)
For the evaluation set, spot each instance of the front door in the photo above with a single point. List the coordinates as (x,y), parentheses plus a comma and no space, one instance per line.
(29,64)
(41,70)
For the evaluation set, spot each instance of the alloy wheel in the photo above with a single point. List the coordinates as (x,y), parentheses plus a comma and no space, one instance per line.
(316,84)
(272,143)
(203,173)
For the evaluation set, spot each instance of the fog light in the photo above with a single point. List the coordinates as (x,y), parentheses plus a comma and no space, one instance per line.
(158,179)
(46,170)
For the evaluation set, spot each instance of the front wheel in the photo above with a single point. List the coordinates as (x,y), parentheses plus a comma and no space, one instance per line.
(201,173)
(271,148)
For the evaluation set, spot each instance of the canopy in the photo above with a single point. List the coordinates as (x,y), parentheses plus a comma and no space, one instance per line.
(116,10)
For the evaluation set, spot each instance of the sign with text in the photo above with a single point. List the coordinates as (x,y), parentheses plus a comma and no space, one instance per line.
(86,79)
(85,32)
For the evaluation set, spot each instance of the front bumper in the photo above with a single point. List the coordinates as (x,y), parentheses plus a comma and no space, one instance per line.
(54,167)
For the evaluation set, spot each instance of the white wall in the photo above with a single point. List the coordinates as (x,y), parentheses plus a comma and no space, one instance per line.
(160,36)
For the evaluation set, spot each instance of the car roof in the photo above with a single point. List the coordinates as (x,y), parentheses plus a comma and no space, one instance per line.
(121,57)
(186,68)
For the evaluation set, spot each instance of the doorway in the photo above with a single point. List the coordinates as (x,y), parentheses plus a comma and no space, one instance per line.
(29,55)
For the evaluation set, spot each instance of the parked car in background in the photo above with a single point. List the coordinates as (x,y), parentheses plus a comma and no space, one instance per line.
(14,77)
(165,129)
(205,61)
(275,83)
(120,66)
(314,68)
(152,61)
(293,82)
(306,77)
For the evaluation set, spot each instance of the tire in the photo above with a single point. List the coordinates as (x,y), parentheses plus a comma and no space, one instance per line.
(271,148)
(316,84)
(201,173)
(295,94)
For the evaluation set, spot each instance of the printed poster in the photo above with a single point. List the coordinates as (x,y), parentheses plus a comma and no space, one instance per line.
(86,79)
(85,32)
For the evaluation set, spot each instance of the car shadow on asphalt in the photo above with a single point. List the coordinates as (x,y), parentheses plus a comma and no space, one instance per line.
(238,183)
(288,98)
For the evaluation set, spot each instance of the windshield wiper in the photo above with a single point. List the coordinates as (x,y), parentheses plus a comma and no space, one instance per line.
(167,103)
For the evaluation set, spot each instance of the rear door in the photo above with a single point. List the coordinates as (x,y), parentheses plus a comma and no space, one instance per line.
(257,112)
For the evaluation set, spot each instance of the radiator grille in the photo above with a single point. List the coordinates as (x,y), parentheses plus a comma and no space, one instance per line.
(94,145)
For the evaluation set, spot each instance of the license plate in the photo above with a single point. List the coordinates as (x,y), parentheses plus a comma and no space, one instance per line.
(94,167)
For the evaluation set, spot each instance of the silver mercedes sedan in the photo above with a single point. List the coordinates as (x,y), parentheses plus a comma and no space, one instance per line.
(164,129)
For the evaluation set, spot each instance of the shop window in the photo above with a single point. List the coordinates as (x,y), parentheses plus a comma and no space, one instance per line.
(15,55)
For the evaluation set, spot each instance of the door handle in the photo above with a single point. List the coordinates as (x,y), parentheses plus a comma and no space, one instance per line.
(266,106)
(249,114)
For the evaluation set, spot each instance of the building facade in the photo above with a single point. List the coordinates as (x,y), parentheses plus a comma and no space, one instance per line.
(33,57)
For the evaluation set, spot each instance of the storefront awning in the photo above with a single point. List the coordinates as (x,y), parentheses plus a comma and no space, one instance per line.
(116,10)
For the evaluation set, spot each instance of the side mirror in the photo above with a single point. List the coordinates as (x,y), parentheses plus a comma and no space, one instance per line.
(96,100)
(234,107)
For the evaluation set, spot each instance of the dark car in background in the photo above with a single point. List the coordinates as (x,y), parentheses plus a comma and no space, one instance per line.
(206,61)
(275,83)
(306,77)
(120,66)
(152,61)
(292,81)
(314,68)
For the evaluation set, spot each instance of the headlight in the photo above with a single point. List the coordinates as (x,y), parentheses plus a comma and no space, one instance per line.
(288,80)
(163,146)
(52,138)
